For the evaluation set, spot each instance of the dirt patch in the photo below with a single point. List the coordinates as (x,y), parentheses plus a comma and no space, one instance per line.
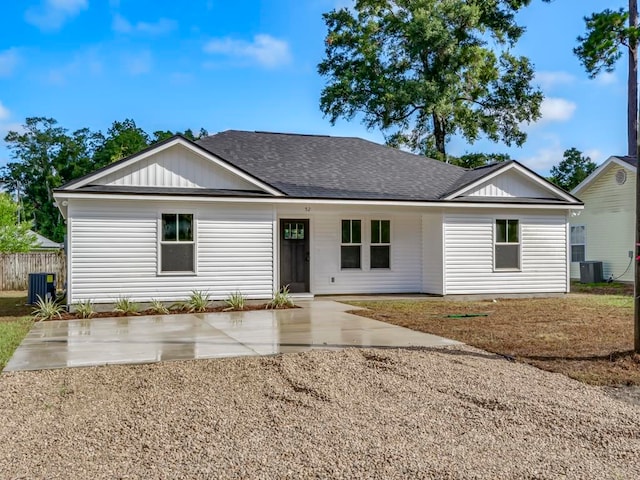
(454,413)
(604,288)
(587,337)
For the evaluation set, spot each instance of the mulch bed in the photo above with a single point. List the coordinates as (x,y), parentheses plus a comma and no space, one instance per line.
(215,309)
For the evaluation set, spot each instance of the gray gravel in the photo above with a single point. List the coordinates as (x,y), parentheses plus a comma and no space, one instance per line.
(454,413)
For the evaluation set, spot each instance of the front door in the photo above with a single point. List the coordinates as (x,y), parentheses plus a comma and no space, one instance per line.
(294,255)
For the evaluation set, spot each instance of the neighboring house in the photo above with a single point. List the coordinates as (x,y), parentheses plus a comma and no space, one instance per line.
(252,211)
(43,243)
(605,229)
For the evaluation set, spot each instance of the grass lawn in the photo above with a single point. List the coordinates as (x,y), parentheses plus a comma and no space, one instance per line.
(14,323)
(587,337)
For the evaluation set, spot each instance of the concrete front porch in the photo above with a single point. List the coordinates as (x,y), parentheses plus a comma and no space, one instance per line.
(319,324)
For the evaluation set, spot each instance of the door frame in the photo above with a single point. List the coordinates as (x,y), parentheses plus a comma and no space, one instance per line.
(276,248)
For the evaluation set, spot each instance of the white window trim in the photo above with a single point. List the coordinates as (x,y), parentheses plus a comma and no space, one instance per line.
(571,244)
(194,242)
(380,244)
(362,233)
(495,243)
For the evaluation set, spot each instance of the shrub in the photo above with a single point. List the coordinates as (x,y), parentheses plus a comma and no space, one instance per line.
(47,309)
(235,301)
(281,299)
(158,307)
(85,309)
(126,306)
(198,301)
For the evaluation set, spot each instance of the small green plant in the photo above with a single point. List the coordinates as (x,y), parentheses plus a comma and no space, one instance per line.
(47,309)
(235,301)
(85,309)
(198,301)
(127,306)
(158,307)
(281,299)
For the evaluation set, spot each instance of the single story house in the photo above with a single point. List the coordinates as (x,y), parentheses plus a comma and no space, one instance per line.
(605,230)
(254,211)
(43,243)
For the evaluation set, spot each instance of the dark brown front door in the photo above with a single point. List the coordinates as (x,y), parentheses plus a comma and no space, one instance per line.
(294,255)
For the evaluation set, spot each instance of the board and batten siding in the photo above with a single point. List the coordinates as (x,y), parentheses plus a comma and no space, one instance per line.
(469,254)
(114,251)
(176,167)
(405,274)
(509,184)
(609,220)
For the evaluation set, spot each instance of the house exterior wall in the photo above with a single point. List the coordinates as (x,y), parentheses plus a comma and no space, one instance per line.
(609,220)
(114,250)
(509,184)
(178,167)
(405,272)
(469,253)
(432,253)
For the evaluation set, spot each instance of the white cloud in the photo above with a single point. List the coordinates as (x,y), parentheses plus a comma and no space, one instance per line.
(594,154)
(606,78)
(556,110)
(548,80)
(122,25)
(4,112)
(545,158)
(265,50)
(138,63)
(52,14)
(87,62)
(8,62)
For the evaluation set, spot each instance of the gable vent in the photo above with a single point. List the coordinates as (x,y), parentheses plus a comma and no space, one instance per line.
(621,177)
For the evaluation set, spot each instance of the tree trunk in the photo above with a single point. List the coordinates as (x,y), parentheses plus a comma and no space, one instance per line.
(440,136)
(633,99)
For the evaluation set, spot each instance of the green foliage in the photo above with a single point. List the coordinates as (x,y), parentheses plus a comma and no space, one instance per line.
(608,34)
(572,170)
(14,236)
(85,309)
(127,306)
(475,160)
(47,309)
(423,70)
(198,301)
(158,307)
(161,135)
(235,301)
(11,334)
(281,299)
(45,156)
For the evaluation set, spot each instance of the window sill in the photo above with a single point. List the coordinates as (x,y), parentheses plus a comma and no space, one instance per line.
(507,270)
(177,274)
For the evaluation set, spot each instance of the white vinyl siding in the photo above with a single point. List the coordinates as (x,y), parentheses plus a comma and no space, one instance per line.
(469,255)
(405,274)
(432,251)
(114,251)
(509,184)
(176,167)
(609,220)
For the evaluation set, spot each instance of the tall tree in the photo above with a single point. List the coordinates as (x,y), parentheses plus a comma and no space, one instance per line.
(123,139)
(475,160)
(609,34)
(423,70)
(14,235)
(572,170)
(160,135)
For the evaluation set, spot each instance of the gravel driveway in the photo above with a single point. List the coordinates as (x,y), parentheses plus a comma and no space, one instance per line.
(453,413)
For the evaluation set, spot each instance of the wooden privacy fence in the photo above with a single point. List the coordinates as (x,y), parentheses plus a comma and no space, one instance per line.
(16,267)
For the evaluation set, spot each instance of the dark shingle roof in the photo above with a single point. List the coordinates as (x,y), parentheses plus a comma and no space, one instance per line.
(334,167)
(633,161)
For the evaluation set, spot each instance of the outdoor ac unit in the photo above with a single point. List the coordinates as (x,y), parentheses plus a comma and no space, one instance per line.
(591,272)
(41,285)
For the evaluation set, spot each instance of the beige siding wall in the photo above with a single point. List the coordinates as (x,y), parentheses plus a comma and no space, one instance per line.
(469,254)
(114,245)
(609,218)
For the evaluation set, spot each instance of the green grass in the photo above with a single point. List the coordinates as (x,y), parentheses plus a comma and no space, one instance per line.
(11,334)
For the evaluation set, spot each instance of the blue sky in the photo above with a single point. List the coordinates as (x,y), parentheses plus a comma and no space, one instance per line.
(251,65)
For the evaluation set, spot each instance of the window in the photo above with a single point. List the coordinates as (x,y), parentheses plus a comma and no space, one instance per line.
(380,243)
(507,245)
(578,243)
(351,244)
(176,243)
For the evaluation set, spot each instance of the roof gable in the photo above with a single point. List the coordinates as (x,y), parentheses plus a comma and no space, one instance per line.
(628,163)
(511,180)
(177,163)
